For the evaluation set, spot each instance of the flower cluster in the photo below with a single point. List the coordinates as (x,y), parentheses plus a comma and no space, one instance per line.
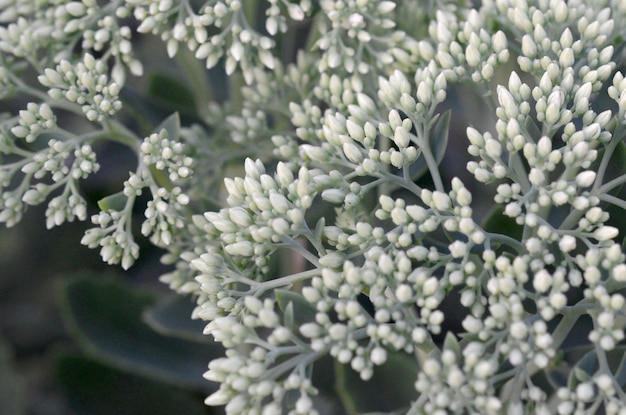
(85,84)
(237,40)
(50,30)
(319,214)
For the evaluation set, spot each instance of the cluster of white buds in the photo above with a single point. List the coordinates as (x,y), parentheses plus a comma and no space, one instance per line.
(33,120)
(163,215)
(85,83)
(457,381)
(57,28)
(362,35)
(237,41)
(166,154)
(114,237)
(345,237)
(65,162)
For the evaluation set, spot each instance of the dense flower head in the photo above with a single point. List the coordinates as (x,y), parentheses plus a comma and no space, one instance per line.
(321,213)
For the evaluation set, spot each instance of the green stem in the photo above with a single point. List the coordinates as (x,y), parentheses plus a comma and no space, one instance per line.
(347,399)
(606,157)
(287,280)
(608,186)
(613,200)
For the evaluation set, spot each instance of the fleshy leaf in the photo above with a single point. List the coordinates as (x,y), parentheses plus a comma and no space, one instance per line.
(584,369)
(497,222)
(171,93)
(438,143)
(172,317)
(376,395)
(93,388)
(105,317)
(620,373)
(115,201)
(171,125)
(302,311)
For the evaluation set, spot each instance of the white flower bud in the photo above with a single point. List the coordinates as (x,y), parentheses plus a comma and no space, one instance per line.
(604,233)
(280,226)
(401,137)
(498,41)
(544,146)
(441,201)
(430,286)
(355,130)
(378,356)
(585,392)
(542,281)
(332,260)
(268,318)
(519,330)
(457,249)
(566,58)
(334,196)
(310,330)
(493,148)
(475,137)
(585,178)
(619,272)
(242,248)
(472,56)
(559,198)
(386,264)
(567,243)
(536,177)
(561,10)
(404,293)
(424,93)
(75,8)
(352,153)
(507,101)
(385,7)
(253,304)
(529,48)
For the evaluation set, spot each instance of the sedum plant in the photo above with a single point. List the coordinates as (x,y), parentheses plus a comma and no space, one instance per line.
(308,196)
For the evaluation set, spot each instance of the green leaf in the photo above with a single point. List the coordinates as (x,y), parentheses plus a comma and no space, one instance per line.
(171,93)
(105,316)
(93,388)
(584,369)
(616,168)
(497,222)
(319,229)
(10,385)
(172,317)
(451,343)
(115,201)
(172,125)
(532,128)
(300,310)
(390,389)
(620,373)
(438,143)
